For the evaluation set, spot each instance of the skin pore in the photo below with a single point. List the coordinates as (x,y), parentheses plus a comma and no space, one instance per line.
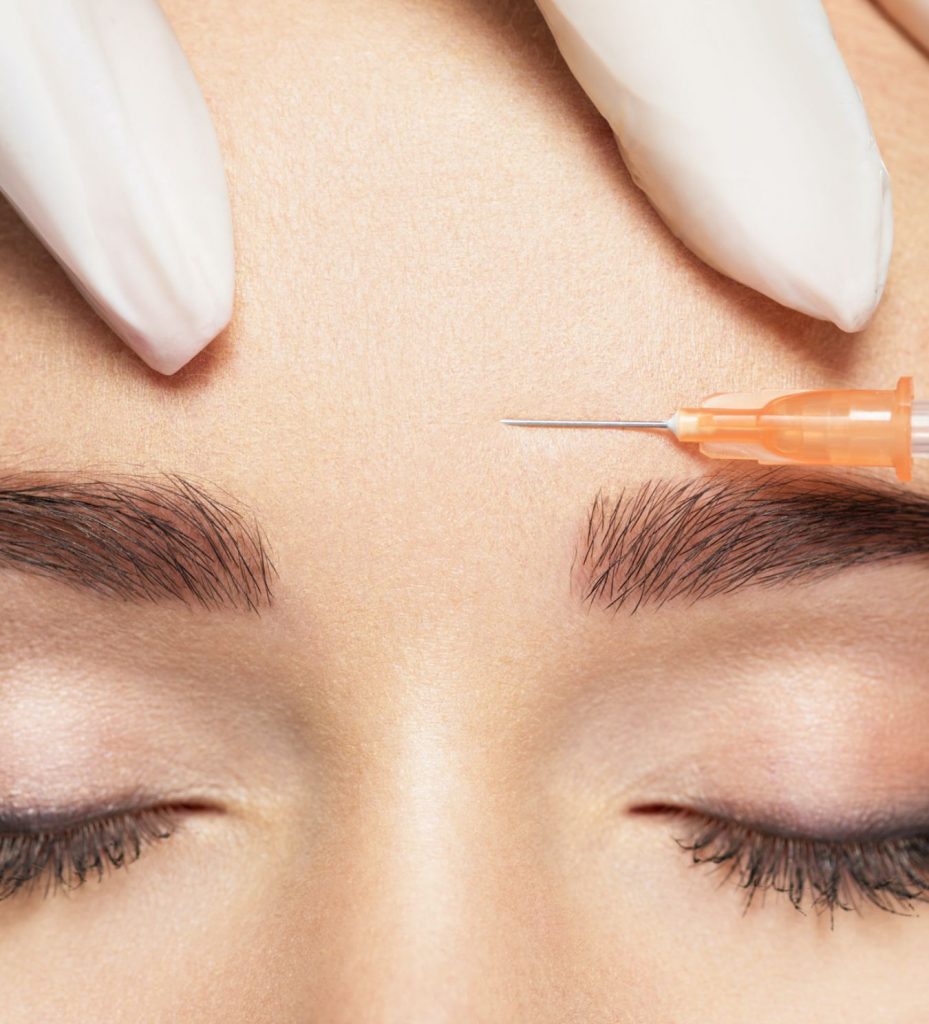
(427,781)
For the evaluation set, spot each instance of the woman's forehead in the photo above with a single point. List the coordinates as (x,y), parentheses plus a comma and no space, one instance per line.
(424,247)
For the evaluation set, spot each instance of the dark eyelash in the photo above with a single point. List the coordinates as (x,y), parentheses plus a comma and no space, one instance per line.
(68,856)
(891,873)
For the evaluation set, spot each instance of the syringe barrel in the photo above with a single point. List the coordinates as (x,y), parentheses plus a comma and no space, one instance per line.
(921,429)
(823,427)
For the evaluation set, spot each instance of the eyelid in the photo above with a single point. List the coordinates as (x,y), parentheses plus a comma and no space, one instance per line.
(69,851)
(27,820)
(890,871)
(41,821)
(838,828)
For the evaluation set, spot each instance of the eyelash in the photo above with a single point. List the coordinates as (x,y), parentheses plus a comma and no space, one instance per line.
(892,874)
(67,857)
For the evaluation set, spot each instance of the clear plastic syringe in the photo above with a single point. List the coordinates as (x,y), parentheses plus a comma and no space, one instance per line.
(823,427)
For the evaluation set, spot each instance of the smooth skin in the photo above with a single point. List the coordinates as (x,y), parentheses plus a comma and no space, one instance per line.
(423,755)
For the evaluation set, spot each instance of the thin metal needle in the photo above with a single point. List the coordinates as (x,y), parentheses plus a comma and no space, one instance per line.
(620,424)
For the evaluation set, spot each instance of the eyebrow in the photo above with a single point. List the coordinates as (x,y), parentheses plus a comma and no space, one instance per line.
(136,538)
(704,537)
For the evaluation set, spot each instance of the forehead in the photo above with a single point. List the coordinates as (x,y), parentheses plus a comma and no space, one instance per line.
(425,246)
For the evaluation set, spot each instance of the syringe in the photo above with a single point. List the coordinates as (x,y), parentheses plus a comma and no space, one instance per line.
(823,427)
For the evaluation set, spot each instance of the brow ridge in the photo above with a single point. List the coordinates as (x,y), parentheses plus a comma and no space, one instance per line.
(135,537)
(703,537)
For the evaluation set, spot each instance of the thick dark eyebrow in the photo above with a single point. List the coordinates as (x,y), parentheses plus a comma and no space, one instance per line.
(135,538)
(703,537)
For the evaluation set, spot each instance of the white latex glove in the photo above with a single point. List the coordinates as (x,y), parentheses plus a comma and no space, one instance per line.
(740,121)
(108,153)
(737,118)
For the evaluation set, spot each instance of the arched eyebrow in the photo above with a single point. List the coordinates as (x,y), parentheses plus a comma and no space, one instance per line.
(135,538)
(704,537)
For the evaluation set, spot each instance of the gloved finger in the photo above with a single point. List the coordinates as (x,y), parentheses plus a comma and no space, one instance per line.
(743,126)
(912,16)
(108,152)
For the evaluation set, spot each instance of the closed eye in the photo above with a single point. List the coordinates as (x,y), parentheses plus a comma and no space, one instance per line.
(66,856)
(823,874)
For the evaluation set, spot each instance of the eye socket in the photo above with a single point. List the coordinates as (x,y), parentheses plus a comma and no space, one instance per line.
(67,856)
(890,873)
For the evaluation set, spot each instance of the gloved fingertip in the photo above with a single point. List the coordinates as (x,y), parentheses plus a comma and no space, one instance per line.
(168,355)
(854,308)
(108,151)
(742,124)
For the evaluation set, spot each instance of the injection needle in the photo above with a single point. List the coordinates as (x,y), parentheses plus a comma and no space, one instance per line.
(620,424)
(811,427)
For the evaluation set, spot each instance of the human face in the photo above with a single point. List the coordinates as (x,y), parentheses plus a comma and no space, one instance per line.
(427,780)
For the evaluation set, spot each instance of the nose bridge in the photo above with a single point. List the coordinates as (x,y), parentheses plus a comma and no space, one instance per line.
(426,918)
(432,815)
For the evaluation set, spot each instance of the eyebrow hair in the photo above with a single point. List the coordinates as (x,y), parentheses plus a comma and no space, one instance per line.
(712,535)
(135,538)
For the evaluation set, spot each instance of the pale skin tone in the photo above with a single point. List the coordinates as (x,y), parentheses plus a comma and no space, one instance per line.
(422,758)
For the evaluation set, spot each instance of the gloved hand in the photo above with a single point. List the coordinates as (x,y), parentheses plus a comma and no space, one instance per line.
(739,120)
(108,152)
